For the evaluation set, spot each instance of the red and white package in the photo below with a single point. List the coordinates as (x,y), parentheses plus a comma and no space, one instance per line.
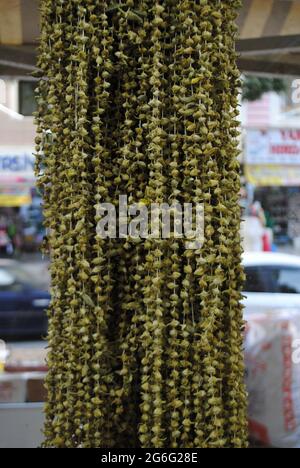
(273,377)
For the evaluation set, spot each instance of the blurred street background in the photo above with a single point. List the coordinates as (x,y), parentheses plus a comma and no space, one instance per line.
(269,60)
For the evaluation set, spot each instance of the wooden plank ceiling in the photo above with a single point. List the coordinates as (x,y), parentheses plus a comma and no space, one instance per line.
(270,36)
(19,32)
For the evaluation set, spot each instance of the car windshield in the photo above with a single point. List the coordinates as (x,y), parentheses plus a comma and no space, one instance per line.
(286,280)
(273,279)
(255,280)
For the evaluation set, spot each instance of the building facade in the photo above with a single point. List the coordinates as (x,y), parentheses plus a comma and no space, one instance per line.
(17,134)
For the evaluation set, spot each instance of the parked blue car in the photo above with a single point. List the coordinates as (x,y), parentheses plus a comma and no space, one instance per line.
(23,303)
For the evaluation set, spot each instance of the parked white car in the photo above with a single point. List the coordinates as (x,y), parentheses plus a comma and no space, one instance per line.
(273,282)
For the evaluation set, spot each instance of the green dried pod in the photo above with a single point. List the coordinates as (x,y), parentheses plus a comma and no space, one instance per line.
(140,98)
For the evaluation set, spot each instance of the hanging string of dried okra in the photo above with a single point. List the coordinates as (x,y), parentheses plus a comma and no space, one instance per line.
(139,98)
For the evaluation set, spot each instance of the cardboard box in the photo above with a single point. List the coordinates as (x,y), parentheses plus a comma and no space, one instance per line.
(36,392)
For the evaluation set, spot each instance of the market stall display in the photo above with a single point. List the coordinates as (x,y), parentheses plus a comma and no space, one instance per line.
(139,98)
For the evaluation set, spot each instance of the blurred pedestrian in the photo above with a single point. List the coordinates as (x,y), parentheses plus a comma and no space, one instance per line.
(253,229)
(6,247)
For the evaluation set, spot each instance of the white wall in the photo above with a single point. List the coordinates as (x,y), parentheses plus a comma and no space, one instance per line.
(14,132)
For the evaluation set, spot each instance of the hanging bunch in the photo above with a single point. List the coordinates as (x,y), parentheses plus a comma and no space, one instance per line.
(138,98)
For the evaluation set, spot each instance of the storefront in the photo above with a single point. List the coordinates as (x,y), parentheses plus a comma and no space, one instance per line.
(272,169)
(20,205)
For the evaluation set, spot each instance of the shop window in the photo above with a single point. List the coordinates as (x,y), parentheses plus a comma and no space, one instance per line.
(27,101)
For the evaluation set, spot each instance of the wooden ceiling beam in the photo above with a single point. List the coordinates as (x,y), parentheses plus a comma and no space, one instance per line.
(21,59)
(269,45)
(264,68)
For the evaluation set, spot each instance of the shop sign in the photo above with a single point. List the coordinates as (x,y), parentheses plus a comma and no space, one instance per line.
(15,195)
(16,166)
(272,146)
(272,157)
(16,177)
(273,175)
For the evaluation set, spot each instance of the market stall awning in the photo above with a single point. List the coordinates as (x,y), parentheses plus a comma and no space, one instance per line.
(269,36)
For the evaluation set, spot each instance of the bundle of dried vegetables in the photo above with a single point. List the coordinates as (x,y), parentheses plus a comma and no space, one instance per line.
(139,98)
